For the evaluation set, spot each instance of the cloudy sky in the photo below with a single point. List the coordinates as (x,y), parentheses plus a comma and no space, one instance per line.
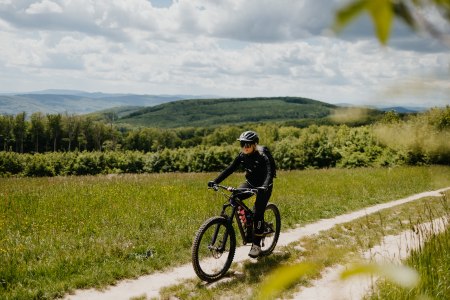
(226,48)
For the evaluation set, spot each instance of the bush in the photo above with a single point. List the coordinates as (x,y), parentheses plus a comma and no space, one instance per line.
(11,163)
(38,165)
(87,163)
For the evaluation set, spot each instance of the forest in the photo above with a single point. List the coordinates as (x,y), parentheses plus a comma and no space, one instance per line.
(63,144)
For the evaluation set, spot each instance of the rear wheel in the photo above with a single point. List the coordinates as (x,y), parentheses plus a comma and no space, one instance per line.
(272,227)
(213,249)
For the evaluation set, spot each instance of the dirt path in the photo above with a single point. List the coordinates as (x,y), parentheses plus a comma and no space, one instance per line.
(393,249)
(150,285)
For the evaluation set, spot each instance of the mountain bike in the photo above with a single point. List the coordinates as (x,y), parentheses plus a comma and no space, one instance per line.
(214,244)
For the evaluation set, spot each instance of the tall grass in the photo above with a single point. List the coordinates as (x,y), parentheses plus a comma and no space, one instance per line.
(432,261)
(62,233)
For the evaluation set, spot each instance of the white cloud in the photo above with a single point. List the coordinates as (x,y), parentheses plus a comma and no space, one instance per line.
(46,6)
(227,48)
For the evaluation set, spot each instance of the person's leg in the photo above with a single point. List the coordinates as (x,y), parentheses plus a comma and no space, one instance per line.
(258,222)
(244,185)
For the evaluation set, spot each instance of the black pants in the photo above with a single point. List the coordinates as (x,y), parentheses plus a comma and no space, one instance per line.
(262,198)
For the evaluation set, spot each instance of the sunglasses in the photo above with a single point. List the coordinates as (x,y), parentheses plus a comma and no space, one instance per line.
(246,144)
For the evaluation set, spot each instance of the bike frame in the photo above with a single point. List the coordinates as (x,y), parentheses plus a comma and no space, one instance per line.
(234,203)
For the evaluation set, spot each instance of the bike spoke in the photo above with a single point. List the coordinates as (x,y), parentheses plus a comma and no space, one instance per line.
(214,250)
(271,229)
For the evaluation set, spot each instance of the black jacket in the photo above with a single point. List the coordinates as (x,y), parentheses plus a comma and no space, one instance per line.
(258,171)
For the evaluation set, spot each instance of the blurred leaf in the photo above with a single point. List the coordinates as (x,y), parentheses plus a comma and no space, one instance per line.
(403,12)
(398,274)
(381,12)
(283,277)
(345,15)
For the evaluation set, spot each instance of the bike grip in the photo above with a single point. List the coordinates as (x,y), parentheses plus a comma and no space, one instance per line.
(211,184)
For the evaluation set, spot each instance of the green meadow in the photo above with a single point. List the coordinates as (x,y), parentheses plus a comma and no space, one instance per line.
(58,234)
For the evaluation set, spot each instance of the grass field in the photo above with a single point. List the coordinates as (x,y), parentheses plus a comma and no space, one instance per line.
(62,233)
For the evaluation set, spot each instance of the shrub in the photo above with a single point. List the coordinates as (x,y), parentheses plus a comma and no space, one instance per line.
(38,165)
(11,163)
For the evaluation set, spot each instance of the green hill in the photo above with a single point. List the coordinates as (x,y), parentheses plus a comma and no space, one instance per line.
(78,102)
(207,112)
(113,113)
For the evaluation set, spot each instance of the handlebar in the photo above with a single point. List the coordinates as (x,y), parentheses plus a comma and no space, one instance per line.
(233,189)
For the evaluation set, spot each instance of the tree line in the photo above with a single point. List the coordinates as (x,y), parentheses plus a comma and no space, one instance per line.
(87,147)
(41,133)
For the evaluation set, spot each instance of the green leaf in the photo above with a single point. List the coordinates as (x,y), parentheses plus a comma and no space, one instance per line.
(347,14)
(401,275)
(381,12)
(382,15)
(283,277)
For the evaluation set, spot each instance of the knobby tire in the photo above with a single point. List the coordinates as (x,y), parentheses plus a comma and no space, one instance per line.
(271,215)
(202,255)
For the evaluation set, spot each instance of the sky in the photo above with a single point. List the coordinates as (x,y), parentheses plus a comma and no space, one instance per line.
(221,48)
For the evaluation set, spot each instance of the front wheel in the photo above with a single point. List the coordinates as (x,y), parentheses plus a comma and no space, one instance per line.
(213,249)
(272,227)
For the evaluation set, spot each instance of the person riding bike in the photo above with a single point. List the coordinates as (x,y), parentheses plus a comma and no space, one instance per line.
(259,174)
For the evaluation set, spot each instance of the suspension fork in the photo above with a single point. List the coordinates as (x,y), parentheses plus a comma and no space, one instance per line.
(216,232)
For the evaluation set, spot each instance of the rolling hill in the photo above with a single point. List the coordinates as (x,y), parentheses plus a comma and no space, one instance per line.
(77,102)
(207,112)
(170,111)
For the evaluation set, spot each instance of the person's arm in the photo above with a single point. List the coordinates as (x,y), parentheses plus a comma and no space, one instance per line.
(269,173)
(229,170)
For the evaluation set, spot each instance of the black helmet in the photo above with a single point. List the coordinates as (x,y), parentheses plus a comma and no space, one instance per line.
(249,136)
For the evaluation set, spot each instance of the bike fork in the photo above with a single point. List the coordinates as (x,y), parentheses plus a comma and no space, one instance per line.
(222,243)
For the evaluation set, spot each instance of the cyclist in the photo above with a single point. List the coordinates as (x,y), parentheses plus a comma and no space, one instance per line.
(259,173)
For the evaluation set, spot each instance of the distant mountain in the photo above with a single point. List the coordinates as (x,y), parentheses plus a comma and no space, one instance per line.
(404,110)
(78,102)
(399,109)
(207,112)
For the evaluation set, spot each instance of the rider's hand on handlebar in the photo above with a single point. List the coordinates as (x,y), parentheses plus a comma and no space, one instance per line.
(211,184)
(263,188)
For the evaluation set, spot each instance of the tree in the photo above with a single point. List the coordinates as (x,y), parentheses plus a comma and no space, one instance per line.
(37,129)
(70,125)
(99,134)
(167,139)
(6,130)
(19,130)
(54,128)
(391,117)
(383,12)
(85,133)
(224,135)
(110,118)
